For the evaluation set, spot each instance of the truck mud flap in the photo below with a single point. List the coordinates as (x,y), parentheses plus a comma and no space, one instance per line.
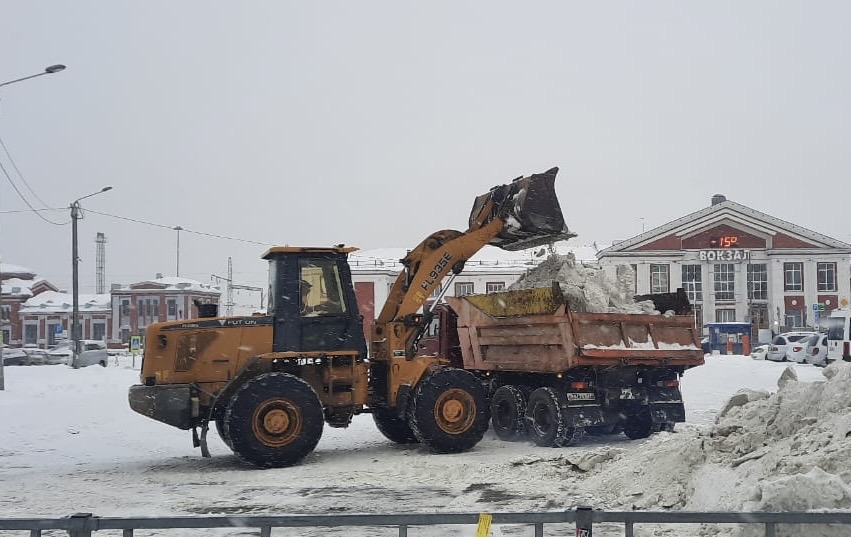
(584,415)
(667,412)
(171,404)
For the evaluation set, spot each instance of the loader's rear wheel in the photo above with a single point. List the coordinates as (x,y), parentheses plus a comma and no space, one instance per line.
(274,419)
(393,427)
(638,426)
(508,413)
(547,423)
(449,411)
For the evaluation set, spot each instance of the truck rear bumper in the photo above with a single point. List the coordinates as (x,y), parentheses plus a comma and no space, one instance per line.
(170,403)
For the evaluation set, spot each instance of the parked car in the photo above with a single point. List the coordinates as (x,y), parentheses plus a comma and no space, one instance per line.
(60,354)
(758,353)
(35,356)
(93,352)
(14,356)
(704,344)
(816,351)
(777,351)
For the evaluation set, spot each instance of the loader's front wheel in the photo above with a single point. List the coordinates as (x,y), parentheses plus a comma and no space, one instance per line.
(508,413)
(220,428)
(393,427)
(547,423)
(449,411)
(274,419)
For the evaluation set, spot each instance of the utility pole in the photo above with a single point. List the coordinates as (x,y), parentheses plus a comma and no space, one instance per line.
(100,262)
(230,286)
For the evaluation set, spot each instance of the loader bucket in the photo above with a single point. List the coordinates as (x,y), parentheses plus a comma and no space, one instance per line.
(530,209)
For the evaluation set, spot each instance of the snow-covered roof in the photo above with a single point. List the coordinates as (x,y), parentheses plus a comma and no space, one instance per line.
(488,259)
(58,302)
(17,287)
(719,213)
(6,268)
(173,283)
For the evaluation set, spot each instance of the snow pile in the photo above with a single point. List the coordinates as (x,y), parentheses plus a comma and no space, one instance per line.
(586,289)
(785,451)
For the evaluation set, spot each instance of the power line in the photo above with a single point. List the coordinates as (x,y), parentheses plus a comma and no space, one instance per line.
(20,174)
(164,226)
(33,209)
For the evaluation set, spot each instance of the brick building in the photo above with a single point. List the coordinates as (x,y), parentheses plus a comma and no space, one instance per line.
(135,306)
(738,264)
(46,318)
(19,284)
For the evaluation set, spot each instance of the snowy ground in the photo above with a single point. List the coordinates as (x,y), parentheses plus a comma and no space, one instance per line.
(69,443)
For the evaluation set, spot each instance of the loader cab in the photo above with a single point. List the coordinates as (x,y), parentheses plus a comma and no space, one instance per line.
(312,300)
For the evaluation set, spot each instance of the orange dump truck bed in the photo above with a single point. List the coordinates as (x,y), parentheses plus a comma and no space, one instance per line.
(533,330)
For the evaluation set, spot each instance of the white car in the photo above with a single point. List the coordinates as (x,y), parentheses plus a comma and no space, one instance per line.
(759,352)
(92,352)
(816,351)
(777,351)
(60,354)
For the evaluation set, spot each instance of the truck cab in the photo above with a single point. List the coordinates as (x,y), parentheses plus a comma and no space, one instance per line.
(838,335)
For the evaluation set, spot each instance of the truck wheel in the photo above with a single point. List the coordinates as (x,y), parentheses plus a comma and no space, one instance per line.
(547,424)
(393,427)
(274,419)
(638,426)
(449,411)
(508,413)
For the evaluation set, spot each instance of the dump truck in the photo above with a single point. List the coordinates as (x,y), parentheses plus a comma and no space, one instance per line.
(554,374)
(270,383)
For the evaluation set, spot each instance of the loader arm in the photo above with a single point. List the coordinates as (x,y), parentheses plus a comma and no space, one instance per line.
(522,214)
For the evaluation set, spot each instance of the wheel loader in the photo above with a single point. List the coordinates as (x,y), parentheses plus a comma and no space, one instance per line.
(269,383)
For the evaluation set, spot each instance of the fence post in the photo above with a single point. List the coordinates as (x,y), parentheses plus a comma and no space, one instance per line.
(584,521)
(80,525)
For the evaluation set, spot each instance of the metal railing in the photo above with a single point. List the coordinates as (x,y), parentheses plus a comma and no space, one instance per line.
(584,518)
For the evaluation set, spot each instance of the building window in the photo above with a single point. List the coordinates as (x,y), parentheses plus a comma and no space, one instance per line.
(725,315)
(437,290)
(758,282)
(795,318)
(30,334)
(826,277)
(725,282)
(634,279)
(53,329)
(659,279)
(463,288)
(759,315)
(7,313)
(698,318)
(494,287)
(7,334)
(125,335)
(172,308)
(155,312)
(692,282)
(793,277)
(99,331)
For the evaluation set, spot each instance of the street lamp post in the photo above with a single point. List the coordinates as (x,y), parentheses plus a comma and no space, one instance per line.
(178,229)
(47,71)
(75,312)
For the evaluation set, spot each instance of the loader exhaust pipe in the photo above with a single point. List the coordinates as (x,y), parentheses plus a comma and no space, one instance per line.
(530,209)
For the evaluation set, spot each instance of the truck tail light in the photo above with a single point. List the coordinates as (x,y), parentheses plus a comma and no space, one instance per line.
(672,383)
(577,385)
(846,350)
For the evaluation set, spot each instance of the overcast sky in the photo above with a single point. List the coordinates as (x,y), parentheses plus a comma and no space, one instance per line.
(376,123)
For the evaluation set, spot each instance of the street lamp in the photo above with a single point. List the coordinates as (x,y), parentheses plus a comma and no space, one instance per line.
(47,71)
(178,229)
(75,313)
